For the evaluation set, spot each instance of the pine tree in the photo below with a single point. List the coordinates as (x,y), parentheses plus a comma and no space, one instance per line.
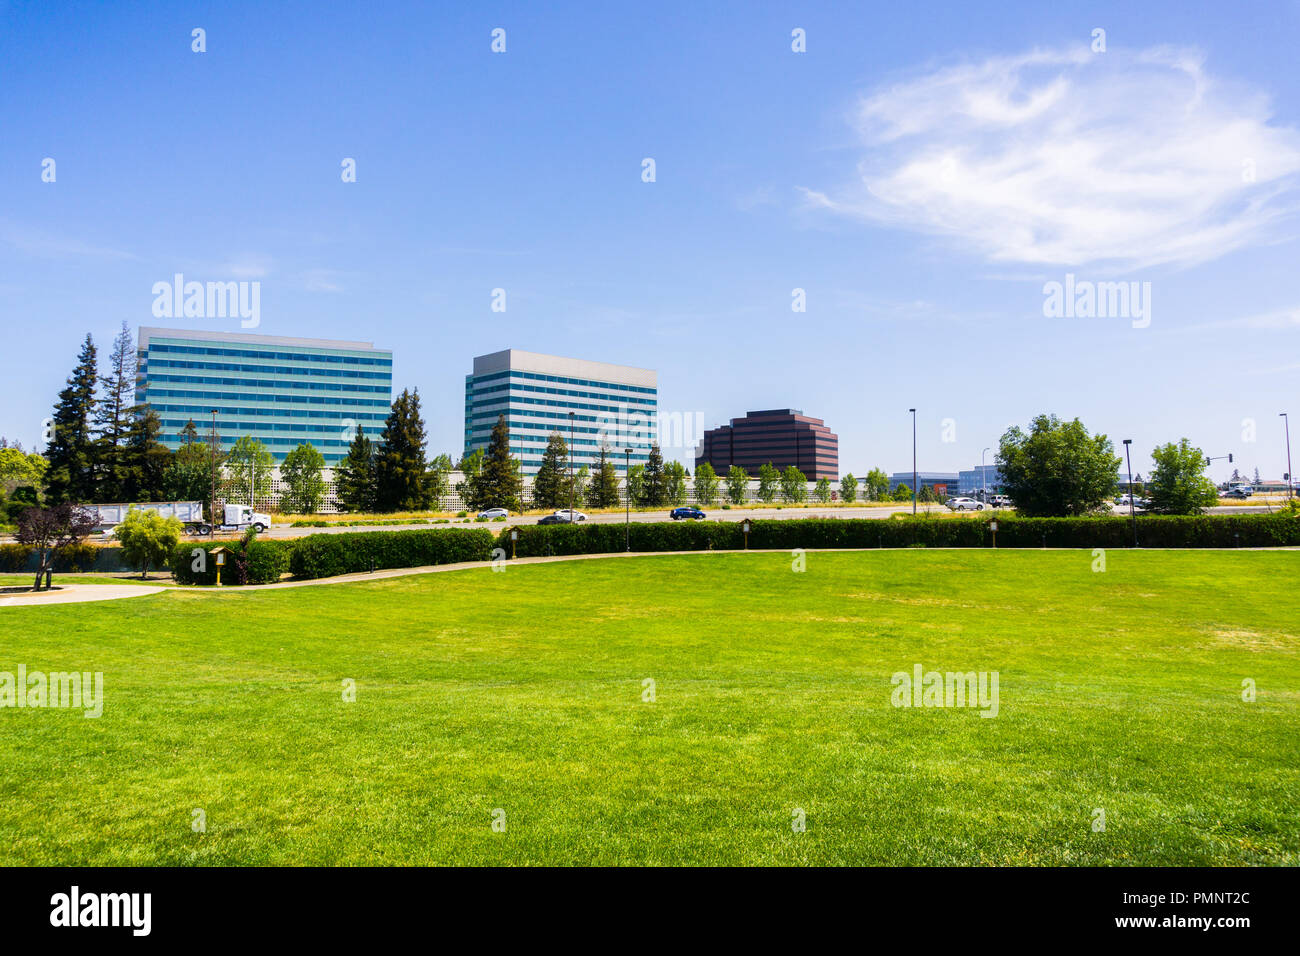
(113,417)
(400,480)
(355,475)
(190,433)
(653,486)
(498,484)
(144,459)
(71,452)
(604,491)
(550,484)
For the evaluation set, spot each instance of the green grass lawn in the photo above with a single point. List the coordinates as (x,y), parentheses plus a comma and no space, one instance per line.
(522,691)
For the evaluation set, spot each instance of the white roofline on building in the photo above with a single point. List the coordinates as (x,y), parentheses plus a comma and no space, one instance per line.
(519,360)
(247,338)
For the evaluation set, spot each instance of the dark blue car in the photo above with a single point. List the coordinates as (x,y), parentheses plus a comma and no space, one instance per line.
(678,514)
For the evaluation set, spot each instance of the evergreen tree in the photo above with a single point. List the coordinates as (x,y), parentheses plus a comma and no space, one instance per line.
(498,484)
(401,483)
(355,475)
(114,412)
(604,491)
(71,452)
(190,433)
(654,487)
(144,459)
(550,484)
(186,476)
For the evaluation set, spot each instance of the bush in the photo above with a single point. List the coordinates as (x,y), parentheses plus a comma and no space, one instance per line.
(13,557)
(326,555)
(264,562)
(1205,531)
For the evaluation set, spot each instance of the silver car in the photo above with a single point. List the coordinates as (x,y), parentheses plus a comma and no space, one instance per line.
(964,504)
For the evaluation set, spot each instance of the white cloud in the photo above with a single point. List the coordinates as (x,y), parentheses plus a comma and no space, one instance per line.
(1070,158)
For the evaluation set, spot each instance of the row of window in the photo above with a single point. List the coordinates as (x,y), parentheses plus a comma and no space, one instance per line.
(538,377)
(263,354)
(141,394)
(259,383)
(205,410)
(273,369)
(480,394)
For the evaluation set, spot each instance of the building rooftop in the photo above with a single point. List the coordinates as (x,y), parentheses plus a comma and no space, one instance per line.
(249,338)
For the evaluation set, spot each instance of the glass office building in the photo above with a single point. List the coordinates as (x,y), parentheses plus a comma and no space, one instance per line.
(282,391)
(614,405)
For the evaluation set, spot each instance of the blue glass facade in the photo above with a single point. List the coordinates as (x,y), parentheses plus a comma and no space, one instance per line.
(615,405)
(282,391)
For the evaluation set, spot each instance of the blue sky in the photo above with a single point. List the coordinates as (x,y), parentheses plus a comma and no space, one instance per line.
(920,173)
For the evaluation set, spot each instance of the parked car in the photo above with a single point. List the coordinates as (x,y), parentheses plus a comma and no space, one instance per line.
(571,515)
(694,514)
(494,513)
(553,519)
(1000,501)
(1236,493)
(965,504)
(1139,504)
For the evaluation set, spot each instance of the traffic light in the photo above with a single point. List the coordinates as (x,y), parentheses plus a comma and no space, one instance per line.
(1230,458)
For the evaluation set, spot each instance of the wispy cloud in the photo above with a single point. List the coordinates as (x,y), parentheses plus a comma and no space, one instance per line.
(46,246)
(1117,159)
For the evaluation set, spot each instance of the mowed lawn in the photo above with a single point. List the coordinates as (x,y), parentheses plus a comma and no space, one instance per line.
(519,696)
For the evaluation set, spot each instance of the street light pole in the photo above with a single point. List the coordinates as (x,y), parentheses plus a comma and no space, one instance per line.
(1132,513)
(1290,475)
(572,487)
(627,492)
(984,477)
(913,411)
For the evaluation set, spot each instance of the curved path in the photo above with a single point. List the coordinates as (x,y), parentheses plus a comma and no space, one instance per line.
(78,594)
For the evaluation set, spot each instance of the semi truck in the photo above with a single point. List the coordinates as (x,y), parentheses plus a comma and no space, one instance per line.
(190,513)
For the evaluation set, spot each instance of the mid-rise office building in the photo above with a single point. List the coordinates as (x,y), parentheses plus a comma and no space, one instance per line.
(281,391)
(613,405)
(781,436)
(979,478)
(943,482)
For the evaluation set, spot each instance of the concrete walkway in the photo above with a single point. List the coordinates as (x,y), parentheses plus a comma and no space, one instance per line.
(79,594)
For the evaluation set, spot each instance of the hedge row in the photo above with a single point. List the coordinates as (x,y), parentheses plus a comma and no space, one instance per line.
(326,555)
(264,563)
(1206,531)
(74,559)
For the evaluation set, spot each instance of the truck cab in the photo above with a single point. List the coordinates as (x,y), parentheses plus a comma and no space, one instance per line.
(239,517)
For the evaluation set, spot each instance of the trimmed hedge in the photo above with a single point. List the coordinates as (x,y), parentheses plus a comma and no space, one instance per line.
(74,559)
(1154,531)
(266,562)
(327,555)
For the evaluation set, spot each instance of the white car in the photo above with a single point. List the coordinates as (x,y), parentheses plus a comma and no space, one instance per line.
(571,515)
(494,513)
(965,504)
(1139,503)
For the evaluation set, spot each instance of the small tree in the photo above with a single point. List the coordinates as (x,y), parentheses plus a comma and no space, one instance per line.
(794,484)
(849,488)
(768,480)
(675,476)
(706,484)
(737,484)
(301,471)
(438,480)
(823,490)
(47,531)
(248,470)
(903,492)
(148,538)
(1178,485)
(1057,469)
(876,485)
(636,484)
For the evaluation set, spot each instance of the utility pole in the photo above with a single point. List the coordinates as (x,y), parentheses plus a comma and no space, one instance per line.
(1290,475)
(212,456)
(914,489)
(627,486)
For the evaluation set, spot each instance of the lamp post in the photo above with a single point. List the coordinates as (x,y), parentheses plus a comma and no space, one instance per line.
(1131,512)
(913,411)
(1289,478)
(572,487)
(984,477)
(627,488)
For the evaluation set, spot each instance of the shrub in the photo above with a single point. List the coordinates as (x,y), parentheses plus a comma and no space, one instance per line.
(264,563)
(13,557)
(148,538)
(326,555)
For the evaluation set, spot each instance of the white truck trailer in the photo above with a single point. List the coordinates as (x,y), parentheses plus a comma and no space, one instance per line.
(190,513)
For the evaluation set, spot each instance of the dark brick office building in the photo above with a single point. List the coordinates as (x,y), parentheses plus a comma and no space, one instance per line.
(783,436)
